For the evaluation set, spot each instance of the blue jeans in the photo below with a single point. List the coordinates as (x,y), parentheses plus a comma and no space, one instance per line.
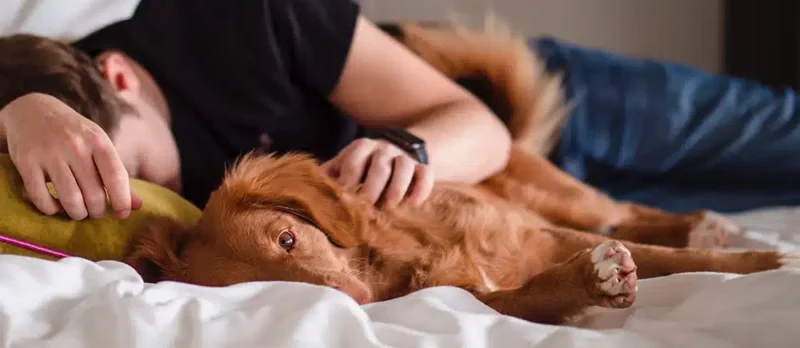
(675,137)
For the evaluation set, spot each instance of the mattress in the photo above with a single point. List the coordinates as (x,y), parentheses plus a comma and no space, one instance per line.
(769,229)
(76,303)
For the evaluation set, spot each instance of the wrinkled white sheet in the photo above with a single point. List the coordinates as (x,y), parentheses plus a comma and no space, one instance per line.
(74,303)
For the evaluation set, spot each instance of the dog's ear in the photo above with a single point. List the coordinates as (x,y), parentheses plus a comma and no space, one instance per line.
(154,252)
(322,204)
(295,184)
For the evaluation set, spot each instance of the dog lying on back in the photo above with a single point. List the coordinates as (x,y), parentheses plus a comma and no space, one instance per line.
(283,219)
(521,241)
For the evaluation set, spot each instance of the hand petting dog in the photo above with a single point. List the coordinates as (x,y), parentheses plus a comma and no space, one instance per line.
(381,172)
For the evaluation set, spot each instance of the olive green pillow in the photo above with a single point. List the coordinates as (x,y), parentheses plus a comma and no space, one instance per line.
(101,239)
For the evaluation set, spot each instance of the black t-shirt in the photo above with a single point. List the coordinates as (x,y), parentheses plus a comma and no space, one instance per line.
(238,73)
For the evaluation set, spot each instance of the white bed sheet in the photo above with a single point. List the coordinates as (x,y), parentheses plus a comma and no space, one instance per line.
(75,303)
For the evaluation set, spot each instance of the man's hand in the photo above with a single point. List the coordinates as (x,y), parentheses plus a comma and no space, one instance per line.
(386,172)
(48,141)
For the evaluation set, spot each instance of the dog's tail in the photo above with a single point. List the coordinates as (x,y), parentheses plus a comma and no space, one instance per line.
(529,99)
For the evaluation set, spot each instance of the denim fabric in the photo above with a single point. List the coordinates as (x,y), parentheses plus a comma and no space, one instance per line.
(672,136)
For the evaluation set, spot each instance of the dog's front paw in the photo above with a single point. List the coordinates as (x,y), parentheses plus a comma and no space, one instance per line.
(615,274)
(712,230)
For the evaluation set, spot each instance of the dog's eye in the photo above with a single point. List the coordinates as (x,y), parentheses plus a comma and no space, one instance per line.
(286,240)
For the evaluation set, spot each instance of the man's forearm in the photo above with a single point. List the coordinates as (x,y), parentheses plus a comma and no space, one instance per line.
(465,142)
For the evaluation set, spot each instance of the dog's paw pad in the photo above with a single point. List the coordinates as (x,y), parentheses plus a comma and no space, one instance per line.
(616,273)
(713,231)
(790,261)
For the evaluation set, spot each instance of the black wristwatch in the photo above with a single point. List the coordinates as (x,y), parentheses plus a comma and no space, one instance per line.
(411,144)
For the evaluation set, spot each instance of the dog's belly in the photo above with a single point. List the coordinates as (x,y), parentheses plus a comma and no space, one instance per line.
(497,240)
(508,264)
(467,207)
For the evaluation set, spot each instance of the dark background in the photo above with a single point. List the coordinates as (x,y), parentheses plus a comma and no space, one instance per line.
(762,41)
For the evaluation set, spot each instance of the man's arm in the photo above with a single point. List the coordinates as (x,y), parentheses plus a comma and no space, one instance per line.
(385,85)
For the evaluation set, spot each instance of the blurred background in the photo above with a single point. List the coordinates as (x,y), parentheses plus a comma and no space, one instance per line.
(688,31)
(746,38)
(757,39)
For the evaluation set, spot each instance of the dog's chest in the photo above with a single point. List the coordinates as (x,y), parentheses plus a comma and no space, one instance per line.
(488,283)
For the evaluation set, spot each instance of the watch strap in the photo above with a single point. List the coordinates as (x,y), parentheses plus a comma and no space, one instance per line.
(411,144)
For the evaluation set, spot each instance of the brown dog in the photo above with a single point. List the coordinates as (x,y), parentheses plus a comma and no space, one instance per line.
(284,219)
(514,240)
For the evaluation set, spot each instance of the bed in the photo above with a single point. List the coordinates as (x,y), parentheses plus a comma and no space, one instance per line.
(76,303)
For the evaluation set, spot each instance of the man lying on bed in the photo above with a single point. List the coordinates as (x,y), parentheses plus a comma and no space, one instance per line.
(181,97)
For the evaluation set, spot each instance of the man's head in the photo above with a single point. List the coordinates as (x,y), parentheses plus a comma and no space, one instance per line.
(112,90)
(32,64)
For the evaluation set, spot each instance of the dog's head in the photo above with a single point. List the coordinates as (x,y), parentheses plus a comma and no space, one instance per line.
(272,219)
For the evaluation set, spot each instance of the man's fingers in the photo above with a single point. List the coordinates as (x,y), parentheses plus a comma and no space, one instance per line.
(36,186)
(136,202)
(115,178)
(378,174)
(402,176)
(331,168)
(354,163)
(422,186)
(94,196)
(386,172)
(69,194)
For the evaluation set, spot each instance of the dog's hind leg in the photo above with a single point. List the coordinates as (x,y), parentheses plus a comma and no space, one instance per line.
(593,270)
(701,229)
(532,181)
(655,261)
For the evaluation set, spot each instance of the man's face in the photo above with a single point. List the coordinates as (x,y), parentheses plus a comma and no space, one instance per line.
(147,150)
(143,139)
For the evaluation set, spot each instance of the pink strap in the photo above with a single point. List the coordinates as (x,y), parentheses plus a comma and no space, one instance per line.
(32,247)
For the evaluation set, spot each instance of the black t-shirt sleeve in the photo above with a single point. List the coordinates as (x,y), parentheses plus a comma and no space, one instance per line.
(315,38)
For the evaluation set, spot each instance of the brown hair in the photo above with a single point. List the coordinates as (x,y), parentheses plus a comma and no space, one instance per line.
(33,64)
